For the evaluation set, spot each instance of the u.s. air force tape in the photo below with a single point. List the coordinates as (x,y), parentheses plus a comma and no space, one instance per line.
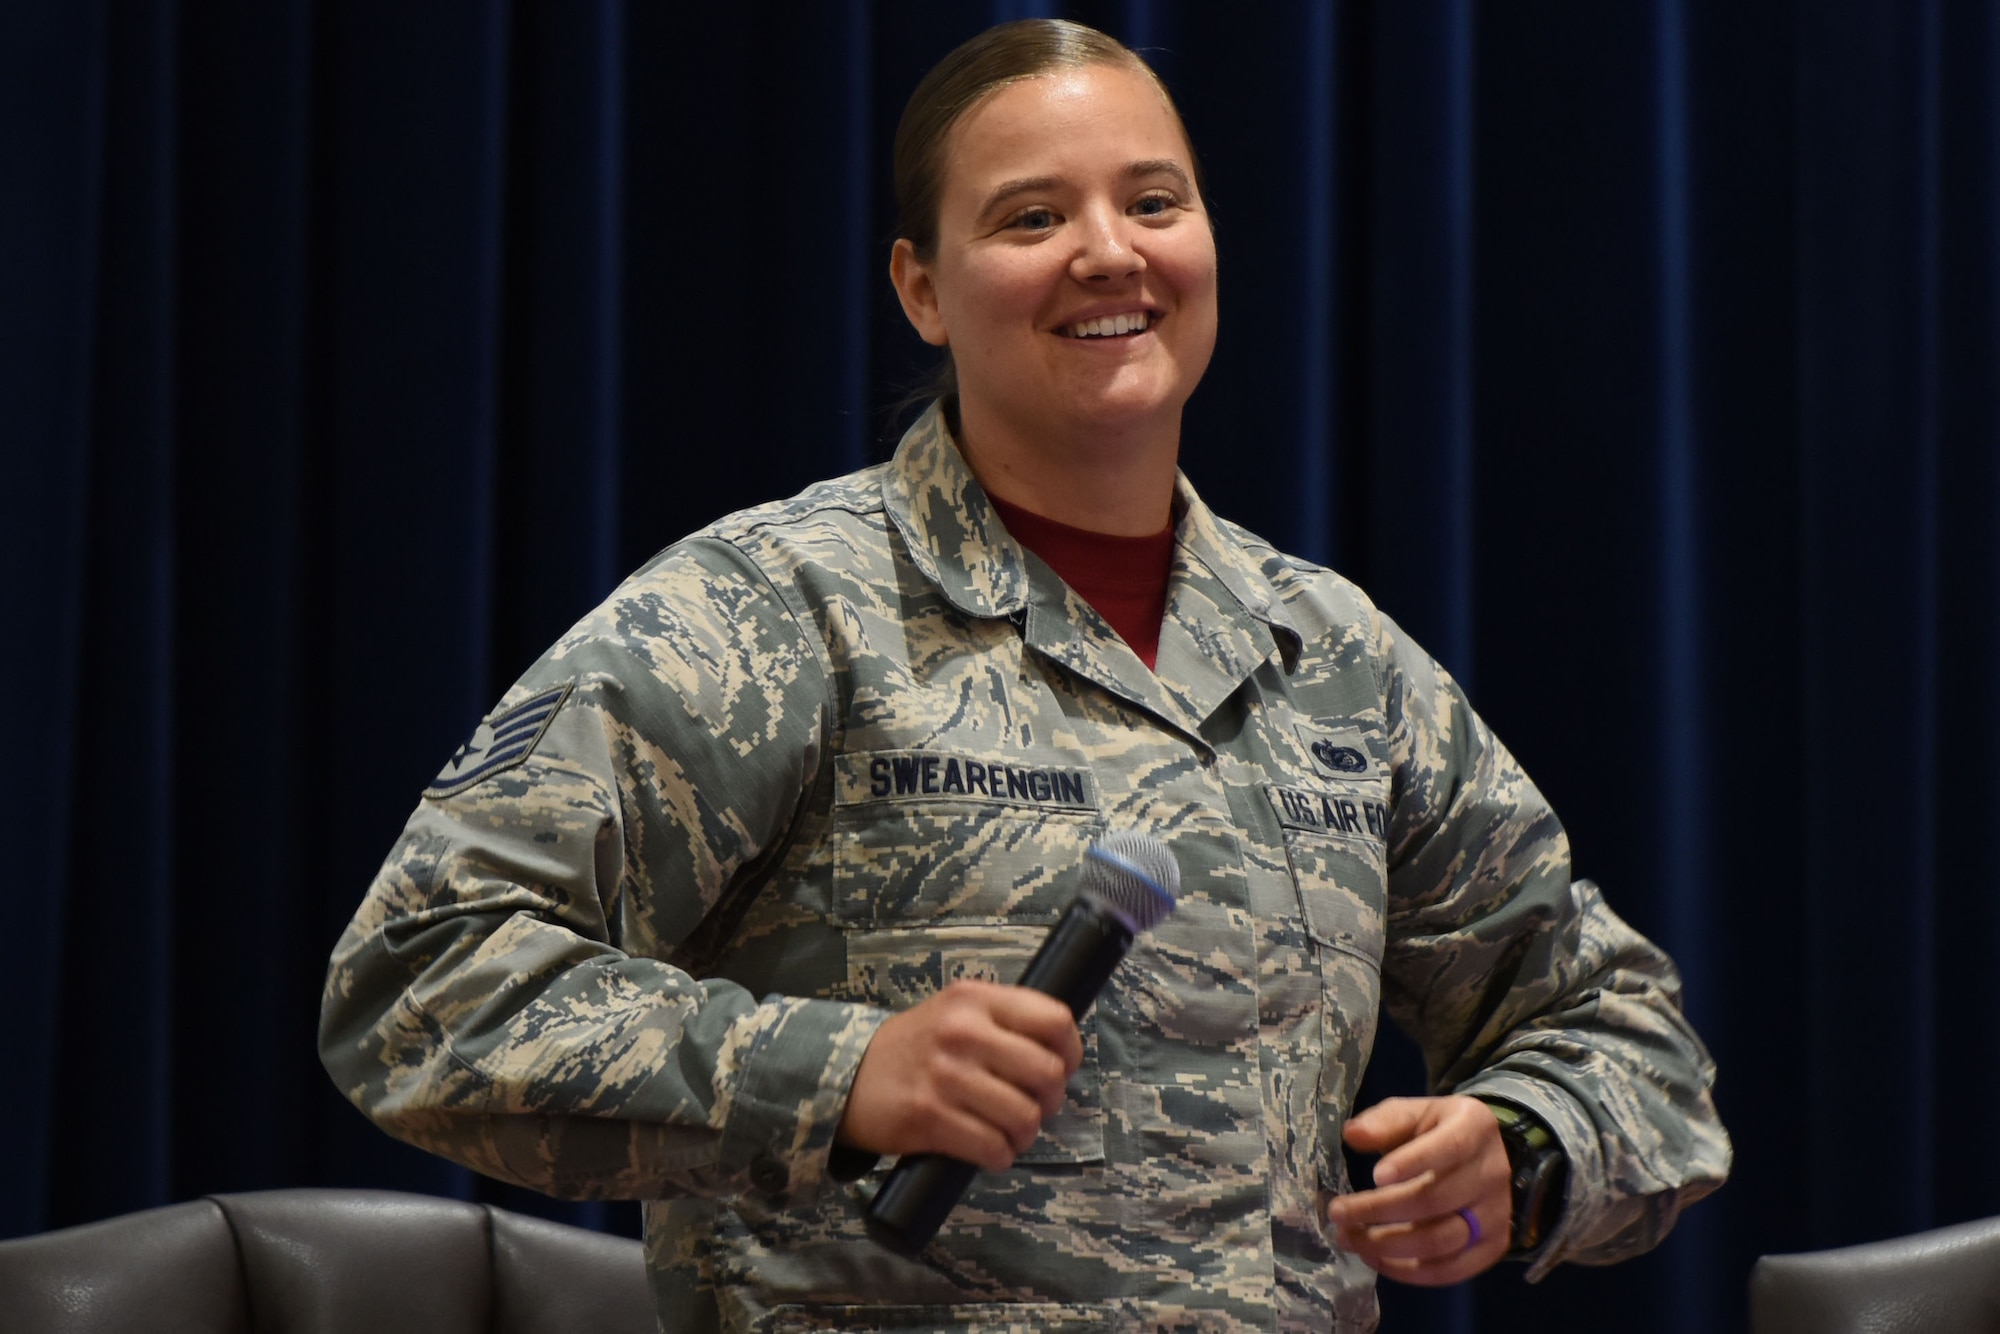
(506,738)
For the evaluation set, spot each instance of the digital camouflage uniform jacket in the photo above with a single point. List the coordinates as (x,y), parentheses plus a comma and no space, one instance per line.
(817,760)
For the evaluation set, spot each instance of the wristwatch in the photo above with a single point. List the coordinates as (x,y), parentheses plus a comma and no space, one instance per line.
(1540,1172)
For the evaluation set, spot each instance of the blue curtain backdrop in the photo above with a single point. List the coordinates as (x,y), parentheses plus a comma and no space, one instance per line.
(1643,359)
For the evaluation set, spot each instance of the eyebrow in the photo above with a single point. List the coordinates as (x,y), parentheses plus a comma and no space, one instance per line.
(1032,184)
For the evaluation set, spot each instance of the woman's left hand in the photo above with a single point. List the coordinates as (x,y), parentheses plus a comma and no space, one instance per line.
(1440,1156)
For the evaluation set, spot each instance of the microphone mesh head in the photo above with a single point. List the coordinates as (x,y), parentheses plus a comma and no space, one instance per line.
(1133,876)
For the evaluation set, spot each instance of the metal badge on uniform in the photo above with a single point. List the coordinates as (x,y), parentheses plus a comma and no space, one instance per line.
(501,742)
(1336,754)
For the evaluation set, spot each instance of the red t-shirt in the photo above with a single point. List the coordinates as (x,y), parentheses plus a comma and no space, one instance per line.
(1124,578)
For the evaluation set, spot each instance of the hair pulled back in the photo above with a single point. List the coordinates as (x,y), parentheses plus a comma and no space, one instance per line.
(1005,54)
(1002,55)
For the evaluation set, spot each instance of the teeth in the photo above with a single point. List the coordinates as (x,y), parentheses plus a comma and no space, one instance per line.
(1108,325)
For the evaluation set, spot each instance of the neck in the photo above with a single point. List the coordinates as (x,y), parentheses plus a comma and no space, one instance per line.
(1118,481)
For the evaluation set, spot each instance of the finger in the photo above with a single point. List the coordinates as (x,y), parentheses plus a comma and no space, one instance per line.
(1435,1273)
(960,1134)
(1439,1237)
(1001,1029)
(1043,1020)
(1015,1112)
(927,1084)
(1450,1133)
(1431,1193)
(1403,1202)
(1028,1066)
(976,1115)
(1387,1124)
(1436,1252)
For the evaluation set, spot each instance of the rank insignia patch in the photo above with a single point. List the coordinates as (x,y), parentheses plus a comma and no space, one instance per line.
(501,742)
(1336,754)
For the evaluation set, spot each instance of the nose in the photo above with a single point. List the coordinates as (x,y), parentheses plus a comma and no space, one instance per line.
(1107,248)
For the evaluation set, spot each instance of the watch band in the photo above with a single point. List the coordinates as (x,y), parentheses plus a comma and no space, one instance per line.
(1539,1174)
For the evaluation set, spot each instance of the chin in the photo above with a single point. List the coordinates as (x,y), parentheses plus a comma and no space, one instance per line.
(1125,408)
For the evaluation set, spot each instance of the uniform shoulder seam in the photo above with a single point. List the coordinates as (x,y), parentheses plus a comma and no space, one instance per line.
(858,494)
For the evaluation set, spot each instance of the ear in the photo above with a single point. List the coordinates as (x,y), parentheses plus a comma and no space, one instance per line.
(917,290)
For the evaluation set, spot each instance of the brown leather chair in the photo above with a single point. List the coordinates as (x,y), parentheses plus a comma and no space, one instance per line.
(327,1262)
(1945,1281)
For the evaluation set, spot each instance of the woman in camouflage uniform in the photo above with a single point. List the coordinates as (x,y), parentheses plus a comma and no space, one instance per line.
(718,908)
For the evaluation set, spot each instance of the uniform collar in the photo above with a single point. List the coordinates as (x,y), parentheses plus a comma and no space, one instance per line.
(1228,568)
(955,539)
(1223,620)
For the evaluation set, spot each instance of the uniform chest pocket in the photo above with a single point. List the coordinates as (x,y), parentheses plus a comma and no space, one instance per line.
(949,839)
(931,886)
(1336,845)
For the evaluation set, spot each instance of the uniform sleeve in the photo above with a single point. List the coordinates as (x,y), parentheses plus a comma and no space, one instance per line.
(502,997)
(1521,984)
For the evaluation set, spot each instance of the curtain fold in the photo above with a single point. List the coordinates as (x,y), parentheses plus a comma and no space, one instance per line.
(52,60)
(1640,360)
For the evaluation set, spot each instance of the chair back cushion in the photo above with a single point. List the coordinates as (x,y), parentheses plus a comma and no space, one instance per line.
(362,1261)
(553,1279)
(314,1261)
(164,1271)
(1945,1281)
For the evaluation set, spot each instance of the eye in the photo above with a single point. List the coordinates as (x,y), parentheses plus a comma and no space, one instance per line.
(1152,206)
(1034,219)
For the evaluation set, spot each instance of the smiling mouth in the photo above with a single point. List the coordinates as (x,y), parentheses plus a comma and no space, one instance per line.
(1110,326)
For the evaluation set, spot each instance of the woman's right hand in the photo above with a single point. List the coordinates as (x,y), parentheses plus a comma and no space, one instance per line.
(971,1071)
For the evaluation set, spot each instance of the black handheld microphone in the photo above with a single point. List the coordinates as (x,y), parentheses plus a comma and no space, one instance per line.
(1129,883)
